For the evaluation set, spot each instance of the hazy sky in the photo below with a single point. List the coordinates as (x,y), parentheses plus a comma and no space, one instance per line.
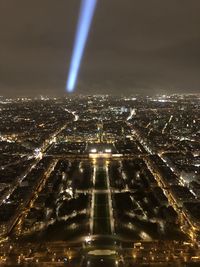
(134,46)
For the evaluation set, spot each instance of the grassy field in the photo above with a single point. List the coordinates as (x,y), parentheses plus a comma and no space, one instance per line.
(101,178)
(101,215)
(101,206)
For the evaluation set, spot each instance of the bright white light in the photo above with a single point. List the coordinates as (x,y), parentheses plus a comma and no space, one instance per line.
(84,23)
(108,150)
(69,191)
(88,239)
(93,150)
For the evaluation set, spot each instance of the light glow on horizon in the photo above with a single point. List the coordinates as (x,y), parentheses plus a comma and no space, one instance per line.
(87,10)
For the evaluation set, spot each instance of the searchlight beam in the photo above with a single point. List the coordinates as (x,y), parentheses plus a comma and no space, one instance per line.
(87,10)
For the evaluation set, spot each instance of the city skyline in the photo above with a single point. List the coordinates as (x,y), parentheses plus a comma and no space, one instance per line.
(100,181)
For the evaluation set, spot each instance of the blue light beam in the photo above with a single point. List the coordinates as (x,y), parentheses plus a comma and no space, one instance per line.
(87,10)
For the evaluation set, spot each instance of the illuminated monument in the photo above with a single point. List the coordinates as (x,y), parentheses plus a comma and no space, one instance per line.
(83,27)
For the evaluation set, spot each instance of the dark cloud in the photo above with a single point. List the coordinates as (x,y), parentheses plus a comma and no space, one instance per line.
(135,46)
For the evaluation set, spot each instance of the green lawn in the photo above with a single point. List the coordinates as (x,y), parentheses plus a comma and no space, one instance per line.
(101,215)
(101,179)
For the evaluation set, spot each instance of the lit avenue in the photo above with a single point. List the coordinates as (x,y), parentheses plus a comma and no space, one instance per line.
(100,181)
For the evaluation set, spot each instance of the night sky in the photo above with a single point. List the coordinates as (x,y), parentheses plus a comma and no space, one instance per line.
(135,46)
